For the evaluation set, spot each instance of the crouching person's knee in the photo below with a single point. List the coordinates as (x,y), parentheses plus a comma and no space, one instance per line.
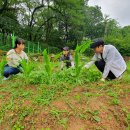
(96,63)
(6,73)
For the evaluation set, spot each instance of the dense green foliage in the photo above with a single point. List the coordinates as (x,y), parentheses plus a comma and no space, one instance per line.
(56,23)
(122,43)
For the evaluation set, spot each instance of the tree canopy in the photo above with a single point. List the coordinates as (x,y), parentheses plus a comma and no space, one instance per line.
(56,22)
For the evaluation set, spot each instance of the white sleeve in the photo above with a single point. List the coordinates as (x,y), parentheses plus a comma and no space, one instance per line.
(71,58)
(72,64)
(25,56)
(72,61)
(10,54)
(89,64)
(62,65)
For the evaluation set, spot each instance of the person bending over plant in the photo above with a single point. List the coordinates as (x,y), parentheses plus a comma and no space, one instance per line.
(108,60)
(14,57)
(66,58)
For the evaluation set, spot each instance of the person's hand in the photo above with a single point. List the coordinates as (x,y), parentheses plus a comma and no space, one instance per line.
(72,67)
(86,66)
(102,79)
(21,69)
(62,65)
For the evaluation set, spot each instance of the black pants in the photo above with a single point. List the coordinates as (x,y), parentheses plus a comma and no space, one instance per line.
(100,65)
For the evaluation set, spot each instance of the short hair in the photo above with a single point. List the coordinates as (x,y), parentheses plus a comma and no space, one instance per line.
(19,41)
(97,43)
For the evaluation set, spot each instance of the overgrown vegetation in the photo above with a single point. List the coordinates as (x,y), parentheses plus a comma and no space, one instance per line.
(27,101)
(47,66)
(42,83)
(2,64)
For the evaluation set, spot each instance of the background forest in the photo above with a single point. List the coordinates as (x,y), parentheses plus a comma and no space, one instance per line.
(56,23)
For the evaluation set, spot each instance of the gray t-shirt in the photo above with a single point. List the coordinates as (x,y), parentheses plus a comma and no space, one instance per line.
(67,61)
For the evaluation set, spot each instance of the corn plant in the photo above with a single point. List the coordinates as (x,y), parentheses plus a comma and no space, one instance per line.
(13,40)
(26,68)
(57,56)
(2,64)
(47,65)
(79,50)
(77,62)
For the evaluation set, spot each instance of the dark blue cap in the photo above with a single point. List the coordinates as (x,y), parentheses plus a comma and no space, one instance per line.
(96,43)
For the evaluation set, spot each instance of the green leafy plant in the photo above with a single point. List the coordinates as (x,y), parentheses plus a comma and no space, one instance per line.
(113,94)
(37,77)
(46,96)
(13,40)
(78,97)
(26,67)
(78,51)
(2,64)
(63,122)
(128,121)
(48,68)
(89,94)
(56,113)
(95,115)
(46,129)
(90,75)
(57,56)
(18,126)
(128,116)
(115,101)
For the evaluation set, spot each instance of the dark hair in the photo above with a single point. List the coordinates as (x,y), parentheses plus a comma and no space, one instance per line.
(19,41)
(97,43)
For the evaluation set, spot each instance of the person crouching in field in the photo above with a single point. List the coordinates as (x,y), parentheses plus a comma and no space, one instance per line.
(14,57)
(108,60)
(66,58)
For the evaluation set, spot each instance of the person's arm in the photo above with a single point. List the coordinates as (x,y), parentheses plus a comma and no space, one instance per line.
(109,59)
(62,62)
(62,65)
(25,57)
(89,64)
(72,64)
(62,58)
(8,56)
(72,61)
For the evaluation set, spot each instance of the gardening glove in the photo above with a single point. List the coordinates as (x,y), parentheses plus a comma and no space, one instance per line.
(102,79)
